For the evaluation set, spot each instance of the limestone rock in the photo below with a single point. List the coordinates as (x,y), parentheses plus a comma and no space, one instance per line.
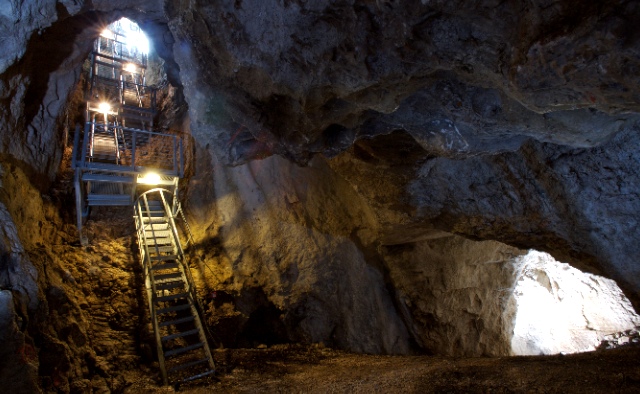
(456,293)
(560,309)
(304,240)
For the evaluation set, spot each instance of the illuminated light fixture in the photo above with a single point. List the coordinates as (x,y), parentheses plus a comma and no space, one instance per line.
(104,107)
(150,178)
(130,67)
(106,33)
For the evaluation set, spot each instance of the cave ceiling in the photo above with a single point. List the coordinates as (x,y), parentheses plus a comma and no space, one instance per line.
(493,119)
(297,78)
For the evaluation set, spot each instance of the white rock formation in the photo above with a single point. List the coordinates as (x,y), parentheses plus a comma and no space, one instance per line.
(563,310)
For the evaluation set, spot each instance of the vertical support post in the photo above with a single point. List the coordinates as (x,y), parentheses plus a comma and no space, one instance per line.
(94,72)
(76,141)
(175,158)
(79,201)
(85,141)
(134,137)
(181,159)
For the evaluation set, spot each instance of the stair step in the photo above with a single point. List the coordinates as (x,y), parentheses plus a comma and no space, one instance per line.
(155,227)
(177,321)
(152,207)
(154,220)
(173,309)
(198,376)
(181,334)
(158,241)
(161,249)
(107,178)
(169,285)
(164,258)
(165,266)
(105,166)
(108,199)
(157,233)
(187,365)
(171,297)
(182,350)
(163,277)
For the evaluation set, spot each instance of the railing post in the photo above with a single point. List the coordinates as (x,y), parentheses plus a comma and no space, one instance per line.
(134,137)
(85,142)
(175,158)
(115,139)
(76,141)
(94,71)
(181,159)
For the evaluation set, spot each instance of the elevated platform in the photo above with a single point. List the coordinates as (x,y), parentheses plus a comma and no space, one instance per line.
(112,163)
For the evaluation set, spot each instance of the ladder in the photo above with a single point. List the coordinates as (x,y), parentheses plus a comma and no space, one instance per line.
(183,351)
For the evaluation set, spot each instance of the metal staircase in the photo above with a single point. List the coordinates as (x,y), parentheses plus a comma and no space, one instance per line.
(116,157)
(183,352)
(117,150)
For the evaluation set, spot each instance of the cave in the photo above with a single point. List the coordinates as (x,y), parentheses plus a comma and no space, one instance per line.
(427,196)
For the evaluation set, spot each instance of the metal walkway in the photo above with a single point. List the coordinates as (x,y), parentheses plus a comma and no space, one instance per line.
(117,153)
(117,158)
(183,352)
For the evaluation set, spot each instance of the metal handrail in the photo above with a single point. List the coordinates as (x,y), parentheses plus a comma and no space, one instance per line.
(170,214)
(141,150)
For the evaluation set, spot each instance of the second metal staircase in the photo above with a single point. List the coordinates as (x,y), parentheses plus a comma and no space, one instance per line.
(183,352)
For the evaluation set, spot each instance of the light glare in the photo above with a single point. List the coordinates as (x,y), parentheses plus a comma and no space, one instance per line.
(129,67)
(104,107)
(106,33)
(150,178)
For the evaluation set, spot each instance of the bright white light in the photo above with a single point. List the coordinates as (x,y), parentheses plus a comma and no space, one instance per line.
(562,309)
(135,38)
(106,33)
(150,178)
(104,107)
(130,67)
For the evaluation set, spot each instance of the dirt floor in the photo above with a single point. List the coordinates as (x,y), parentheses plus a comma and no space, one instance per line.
(296,369)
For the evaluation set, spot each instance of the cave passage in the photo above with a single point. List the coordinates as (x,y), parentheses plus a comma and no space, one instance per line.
(287,194)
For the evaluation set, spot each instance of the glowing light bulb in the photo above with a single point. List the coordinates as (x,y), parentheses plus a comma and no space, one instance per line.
(130,67)
(104,107)
(150,178)
(106,33)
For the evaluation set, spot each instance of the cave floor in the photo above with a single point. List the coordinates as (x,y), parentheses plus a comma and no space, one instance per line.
(284,368)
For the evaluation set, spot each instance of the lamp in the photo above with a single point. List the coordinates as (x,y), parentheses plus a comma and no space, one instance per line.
(150,178)
(130,67)
(104,107)
(106,33)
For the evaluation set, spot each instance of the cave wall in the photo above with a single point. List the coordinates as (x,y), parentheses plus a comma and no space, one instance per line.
(579,204)
(301,236)
(494,120)
(456,293)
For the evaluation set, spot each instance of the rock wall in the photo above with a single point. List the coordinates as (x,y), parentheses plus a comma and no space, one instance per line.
(456,293)
(72,319)
(18,303)
(579,204)
(304,239)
